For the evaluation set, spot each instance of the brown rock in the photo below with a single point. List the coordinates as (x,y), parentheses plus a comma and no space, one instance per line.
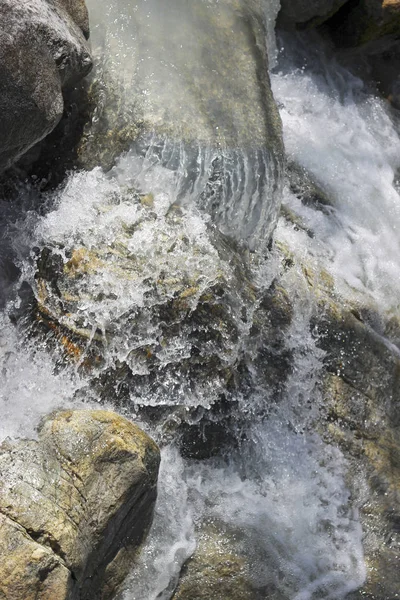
(79,502)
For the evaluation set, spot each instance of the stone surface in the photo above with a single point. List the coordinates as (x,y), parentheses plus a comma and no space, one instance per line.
(218,569)
(360,392)
(78,12)
(180,322)
(43,51)
(307,12)
(374,24)
(75,505)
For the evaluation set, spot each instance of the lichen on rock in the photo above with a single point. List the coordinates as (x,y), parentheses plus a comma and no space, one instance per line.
(75,506)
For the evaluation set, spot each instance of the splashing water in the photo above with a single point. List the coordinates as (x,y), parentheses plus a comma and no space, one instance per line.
(195,78)
(136,252)
(345,137)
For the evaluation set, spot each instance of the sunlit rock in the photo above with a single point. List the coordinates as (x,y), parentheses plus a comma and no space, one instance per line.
(75,506)
(218,569)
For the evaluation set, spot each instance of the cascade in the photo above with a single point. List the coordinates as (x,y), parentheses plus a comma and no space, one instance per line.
(144,283)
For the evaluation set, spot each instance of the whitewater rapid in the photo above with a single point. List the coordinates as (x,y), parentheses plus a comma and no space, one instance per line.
(284,489)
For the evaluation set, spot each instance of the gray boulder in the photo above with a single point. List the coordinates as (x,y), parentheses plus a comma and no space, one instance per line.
(43,51)
(308,12)
(75,506)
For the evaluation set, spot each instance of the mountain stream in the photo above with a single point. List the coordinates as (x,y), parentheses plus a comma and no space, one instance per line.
(280,488)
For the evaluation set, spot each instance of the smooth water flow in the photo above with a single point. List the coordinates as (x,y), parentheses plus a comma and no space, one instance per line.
(165,302)
(194,77)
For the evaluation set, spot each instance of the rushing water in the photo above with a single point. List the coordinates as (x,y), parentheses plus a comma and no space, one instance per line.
(281,486)
(194,76)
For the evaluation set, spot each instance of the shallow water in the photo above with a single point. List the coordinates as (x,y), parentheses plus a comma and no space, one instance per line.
(281,487)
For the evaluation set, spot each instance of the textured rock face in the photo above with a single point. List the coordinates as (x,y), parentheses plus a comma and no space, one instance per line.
(78,12)
(216,570)
(74,506)
(307,12)
(42,52)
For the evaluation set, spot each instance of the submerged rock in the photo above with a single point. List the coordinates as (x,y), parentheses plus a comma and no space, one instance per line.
(75,506)
(43,51)
(188,85)
(158,303)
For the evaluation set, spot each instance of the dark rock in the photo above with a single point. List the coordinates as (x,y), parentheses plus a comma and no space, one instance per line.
(42,53)
(374,24)
(307,13)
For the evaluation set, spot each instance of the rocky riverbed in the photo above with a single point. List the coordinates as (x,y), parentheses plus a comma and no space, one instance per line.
(206,244)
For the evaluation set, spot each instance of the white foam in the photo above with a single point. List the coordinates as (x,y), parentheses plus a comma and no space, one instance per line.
(345,137)
(283,489)
(29,387)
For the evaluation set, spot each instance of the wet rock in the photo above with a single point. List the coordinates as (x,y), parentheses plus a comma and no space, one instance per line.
(110,123)
(43,52)
(372,23)
(359,387)
(304,186)
(218,569)
(360,394)
(207,113)
(75,506)
(307,13)
(370,440)
(175,302)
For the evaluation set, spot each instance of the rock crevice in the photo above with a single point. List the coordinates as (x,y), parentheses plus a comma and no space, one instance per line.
(87,531)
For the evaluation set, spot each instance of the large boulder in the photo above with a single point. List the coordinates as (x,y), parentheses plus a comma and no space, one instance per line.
(43,51)
(75,506)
